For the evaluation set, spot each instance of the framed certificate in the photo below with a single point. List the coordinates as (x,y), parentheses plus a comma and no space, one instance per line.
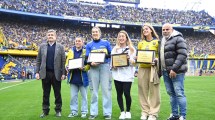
(120,60)
(76,63)
(145,56)
(98,57)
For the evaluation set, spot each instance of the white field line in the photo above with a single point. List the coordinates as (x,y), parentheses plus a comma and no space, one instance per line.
(15,85)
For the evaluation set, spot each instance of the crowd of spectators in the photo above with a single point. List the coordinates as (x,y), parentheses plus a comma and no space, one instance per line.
(198,43)
(201,43)
(109,12)
(21,34)
(18,32)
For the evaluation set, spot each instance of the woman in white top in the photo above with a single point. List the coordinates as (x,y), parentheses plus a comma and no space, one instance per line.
(124,76)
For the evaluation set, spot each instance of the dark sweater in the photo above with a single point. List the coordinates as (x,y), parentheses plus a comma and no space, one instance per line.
(76,73)
(50,57)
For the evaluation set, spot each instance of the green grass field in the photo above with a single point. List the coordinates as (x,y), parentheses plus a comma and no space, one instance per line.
(23,101)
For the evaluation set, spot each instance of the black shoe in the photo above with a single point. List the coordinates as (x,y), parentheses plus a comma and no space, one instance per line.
(43,115)
(58,114)
(173,118)
(107,117)
(92,117)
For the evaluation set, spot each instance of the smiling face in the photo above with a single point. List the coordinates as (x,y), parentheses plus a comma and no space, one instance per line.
(147,31)
(78,42)
(51,36)
(122,39)
(167,30)
(96,33)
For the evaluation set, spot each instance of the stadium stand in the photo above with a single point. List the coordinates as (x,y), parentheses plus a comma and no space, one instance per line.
(22,34)
(35,34)
(109,12)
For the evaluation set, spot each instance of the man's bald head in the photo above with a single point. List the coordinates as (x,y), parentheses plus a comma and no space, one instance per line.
(167,30)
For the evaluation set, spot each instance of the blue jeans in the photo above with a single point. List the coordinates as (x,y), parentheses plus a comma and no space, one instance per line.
(100,75)
(175,89)
(74,99)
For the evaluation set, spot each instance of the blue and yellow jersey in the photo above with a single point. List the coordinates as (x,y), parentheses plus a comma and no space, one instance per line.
(100,46)
(148,45)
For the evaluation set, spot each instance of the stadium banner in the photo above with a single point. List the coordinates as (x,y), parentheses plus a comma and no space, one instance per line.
(125,1)
(202,64)
(201,56)
(18,52)
(201,28)
(77,18)
(176,25)
(211,56)
(128,22)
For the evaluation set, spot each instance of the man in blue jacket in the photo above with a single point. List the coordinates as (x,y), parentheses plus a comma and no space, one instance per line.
(78,79)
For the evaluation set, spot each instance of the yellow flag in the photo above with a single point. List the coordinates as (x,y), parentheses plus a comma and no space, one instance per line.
(7,67)
(3,40)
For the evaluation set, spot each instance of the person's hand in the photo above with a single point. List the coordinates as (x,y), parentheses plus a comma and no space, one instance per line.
(113,67)
(155,61)
(63,77)
(94,64)
(67,69)
(132,61)
(128,57)
(172,74)
(37,76)
(82,68)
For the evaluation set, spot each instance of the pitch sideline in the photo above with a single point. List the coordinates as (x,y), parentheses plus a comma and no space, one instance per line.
(15,85)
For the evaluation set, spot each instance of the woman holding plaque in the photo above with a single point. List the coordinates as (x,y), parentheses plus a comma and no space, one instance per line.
(78,79)
(99,73)
(123,75)
(148,86)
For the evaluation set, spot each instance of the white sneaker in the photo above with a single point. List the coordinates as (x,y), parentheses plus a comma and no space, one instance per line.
(83,115)
(122,115)
(72,115)
(128,115)
(143,117)
(182,118)
(152,117)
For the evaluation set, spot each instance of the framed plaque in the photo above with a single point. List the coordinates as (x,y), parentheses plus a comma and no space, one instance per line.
(120,60)
(76,63)
(98,57)
(145,56)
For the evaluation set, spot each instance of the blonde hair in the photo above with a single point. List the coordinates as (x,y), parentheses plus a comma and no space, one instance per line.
(128,41)
(154,34)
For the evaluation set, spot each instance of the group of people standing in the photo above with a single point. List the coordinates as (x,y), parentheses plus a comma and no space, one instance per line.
(170,62)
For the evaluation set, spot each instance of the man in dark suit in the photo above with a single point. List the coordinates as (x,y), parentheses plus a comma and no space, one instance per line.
(51,69)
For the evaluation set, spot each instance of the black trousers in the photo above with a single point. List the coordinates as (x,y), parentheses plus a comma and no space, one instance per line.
(49,81)
(123,87)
